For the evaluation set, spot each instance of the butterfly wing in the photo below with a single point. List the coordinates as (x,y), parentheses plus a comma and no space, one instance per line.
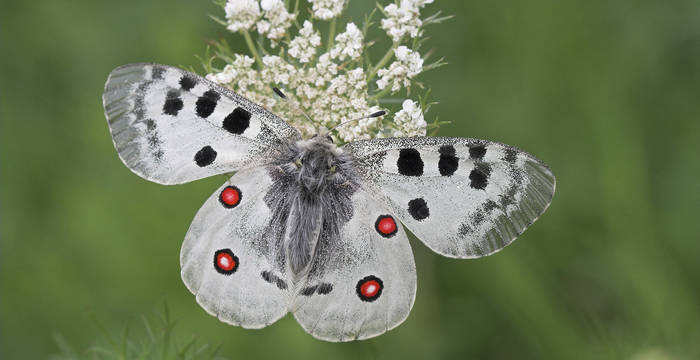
(463,198)
(362,280)
(171,126)
(231,258)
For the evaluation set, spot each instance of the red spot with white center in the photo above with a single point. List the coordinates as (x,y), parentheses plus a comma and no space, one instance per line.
(369,288)
(230,197)
(225,262)
(386,226)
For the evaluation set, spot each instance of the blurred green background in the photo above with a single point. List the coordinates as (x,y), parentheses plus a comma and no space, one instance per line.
(605,92)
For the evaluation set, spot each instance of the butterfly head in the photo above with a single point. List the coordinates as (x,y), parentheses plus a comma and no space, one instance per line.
(318,161)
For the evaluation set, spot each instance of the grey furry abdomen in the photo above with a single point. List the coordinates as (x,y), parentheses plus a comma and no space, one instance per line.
(313,182)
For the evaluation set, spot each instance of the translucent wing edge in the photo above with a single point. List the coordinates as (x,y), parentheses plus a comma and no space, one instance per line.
(510,226)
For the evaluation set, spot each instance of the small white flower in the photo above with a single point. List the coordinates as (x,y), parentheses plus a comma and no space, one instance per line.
(356,79)
(303,46)
(276,70)
(327,9)
(239,72)
(400,72)
(409,120)
(421,3)
(276,19)
(225,76)
(403,19)
(348,44)
(241,14)
(326,70)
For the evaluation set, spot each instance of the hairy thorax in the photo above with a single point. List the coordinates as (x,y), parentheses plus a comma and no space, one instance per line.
(317,179)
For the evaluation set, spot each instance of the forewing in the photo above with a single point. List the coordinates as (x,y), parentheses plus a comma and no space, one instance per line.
(463,198)
(361,282)
(231,258)
(171,126)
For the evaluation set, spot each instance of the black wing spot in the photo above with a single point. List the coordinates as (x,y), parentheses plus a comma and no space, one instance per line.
(418,208)
(205,156)
(309,290)
(448,162)
(173,103)
(157,73)
(207,103)
(237,121)
(187,82)
(479,178)
(511,156)
(410,163)
(273,279)
(477,152)
(447,150)
(324,288)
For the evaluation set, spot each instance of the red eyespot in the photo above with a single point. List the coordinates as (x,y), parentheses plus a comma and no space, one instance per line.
(225,262)
(230,197)
(369,288)
(386,226)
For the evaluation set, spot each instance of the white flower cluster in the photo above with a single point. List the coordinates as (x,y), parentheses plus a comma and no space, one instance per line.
(410,120)
(303,47)
(276,20)
(327,9)
(408,64)
(403,19)
(348,44)
(273,21)
(241,14)
(331,83)
(239,70)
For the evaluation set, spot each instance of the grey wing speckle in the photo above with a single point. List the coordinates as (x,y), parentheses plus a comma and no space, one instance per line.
(171,126)
(463,198)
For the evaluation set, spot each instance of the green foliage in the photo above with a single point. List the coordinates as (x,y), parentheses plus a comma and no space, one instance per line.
(156,340)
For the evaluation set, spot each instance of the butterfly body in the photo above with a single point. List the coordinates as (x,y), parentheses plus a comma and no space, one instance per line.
(318,179)
(304,226)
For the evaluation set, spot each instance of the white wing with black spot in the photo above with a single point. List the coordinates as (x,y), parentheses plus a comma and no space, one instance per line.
(463,198)
(232,257)
(362,280)
(171,126)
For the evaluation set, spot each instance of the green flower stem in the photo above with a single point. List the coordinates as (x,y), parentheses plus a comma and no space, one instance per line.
(389,54)
(331,35)
(380,94)
(253,50)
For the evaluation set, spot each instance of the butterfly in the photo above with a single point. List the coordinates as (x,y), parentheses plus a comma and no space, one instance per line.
(305,226)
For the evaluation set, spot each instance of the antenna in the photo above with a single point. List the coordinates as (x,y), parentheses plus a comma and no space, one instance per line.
(292,105)
(372,115)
